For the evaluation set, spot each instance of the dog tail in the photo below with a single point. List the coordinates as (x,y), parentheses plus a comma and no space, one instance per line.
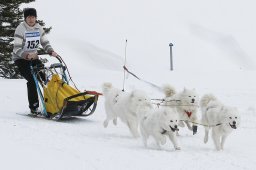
(106,87)
(206,99)
(169,90)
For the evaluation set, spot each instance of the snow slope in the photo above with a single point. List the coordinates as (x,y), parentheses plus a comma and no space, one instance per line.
(213,53)
(83,143)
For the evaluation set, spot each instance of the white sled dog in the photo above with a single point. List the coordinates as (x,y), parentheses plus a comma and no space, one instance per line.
(129,107)
(186,102)
(220,118)
(159,123)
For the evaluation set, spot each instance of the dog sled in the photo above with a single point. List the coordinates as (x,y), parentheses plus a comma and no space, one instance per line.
(59,100)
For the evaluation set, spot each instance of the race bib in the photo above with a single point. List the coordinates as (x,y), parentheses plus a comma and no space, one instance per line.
(32,41)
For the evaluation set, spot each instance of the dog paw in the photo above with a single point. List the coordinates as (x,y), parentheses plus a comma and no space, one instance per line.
(205,139)
(218,148)
(177,148)
(115,121)
(105,124)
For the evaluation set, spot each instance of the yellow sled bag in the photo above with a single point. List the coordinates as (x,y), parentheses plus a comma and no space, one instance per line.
(57,94)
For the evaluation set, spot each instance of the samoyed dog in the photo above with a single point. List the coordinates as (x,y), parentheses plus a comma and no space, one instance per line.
(218,117)
(186,102)
(159,123)
(129,107)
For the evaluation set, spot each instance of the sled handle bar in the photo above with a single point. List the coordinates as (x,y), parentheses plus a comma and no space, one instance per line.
(56,65)
(58,56)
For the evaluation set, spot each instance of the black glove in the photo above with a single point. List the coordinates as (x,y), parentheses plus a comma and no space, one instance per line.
(194,128)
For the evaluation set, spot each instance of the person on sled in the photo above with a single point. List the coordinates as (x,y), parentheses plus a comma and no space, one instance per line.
(27,38)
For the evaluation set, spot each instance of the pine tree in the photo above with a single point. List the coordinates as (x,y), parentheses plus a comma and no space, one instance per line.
(10,17)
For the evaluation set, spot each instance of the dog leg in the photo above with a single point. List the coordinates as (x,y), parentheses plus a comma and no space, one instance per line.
(145,140)
(216,139)
(133,129)
(188,125)
(105,124)
(158,139)
(223,139)
(110,115)
(108,118)
(181,124)
(173,139)
(206,134)
(158,145)
(144,135)
(115,121)
(161,138)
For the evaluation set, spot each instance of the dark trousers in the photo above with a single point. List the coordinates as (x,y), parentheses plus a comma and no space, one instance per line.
(25,71)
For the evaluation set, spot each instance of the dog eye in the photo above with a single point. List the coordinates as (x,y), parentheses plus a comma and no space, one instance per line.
(189,96)
(235,117)
(230,117)
(171,121)
(139,100)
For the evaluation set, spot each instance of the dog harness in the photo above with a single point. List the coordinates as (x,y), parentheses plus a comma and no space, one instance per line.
(188,113)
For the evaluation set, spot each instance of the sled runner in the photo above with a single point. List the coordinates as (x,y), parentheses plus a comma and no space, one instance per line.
(60,100)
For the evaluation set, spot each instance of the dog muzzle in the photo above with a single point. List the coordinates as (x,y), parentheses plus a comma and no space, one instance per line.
(175,128)
(233,125)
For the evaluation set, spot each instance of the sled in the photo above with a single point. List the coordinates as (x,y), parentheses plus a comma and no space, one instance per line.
(60,100)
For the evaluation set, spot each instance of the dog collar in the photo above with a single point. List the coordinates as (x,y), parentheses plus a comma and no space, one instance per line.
(188,113)
(164,131)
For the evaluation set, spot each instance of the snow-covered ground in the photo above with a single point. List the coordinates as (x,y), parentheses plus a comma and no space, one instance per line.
(213,53)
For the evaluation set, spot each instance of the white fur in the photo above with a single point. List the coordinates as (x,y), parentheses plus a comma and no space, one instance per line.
(220,118)
(129,107)
(185,102)
(158,123)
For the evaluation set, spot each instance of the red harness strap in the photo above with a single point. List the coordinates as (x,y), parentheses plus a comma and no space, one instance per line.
(188,113)
(93,93)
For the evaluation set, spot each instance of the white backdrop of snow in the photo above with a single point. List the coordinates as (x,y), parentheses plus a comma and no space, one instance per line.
(213,53)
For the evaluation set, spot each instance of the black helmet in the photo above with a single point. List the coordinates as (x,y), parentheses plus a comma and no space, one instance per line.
(29,12)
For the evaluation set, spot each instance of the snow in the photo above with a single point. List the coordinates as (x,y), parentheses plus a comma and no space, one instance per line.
(213,53)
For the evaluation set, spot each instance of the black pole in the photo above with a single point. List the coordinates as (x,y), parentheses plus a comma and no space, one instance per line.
(171,62)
